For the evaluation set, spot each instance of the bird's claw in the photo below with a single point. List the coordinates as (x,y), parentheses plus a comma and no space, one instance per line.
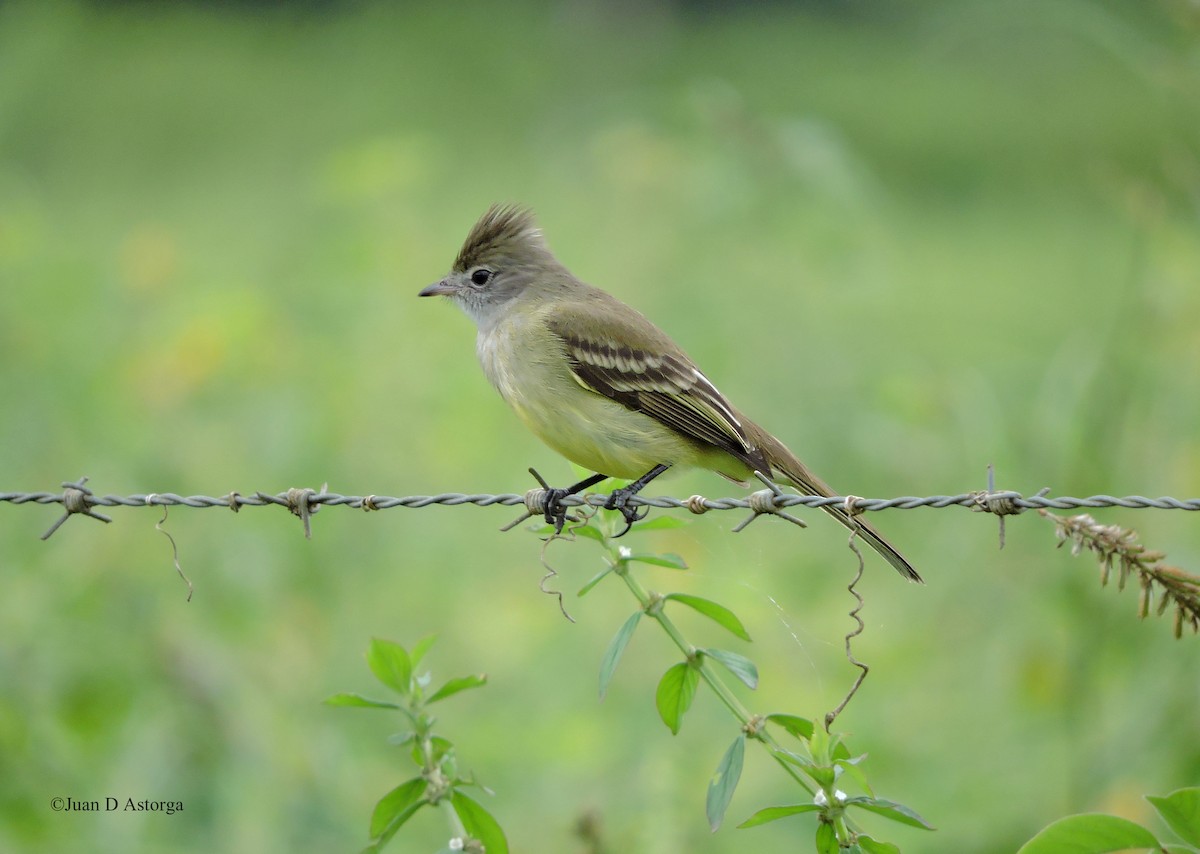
(619,500)
(556,511)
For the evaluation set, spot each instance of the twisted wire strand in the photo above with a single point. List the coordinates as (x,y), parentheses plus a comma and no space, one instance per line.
(973,500)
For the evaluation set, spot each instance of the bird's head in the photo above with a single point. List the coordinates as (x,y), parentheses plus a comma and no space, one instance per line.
(501,257)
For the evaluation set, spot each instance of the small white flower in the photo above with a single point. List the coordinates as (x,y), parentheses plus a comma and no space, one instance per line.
(456,844)
(819,798)
(839,796)
(625,552)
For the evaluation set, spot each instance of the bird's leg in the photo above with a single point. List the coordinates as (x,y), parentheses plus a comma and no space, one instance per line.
(556,512)
(619,500)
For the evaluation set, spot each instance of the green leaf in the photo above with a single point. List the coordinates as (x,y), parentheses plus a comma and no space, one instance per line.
(462,683)
(594,580)
(800,727)
(818,745)
(793,758)
(420,648)
(479,823)
(348,699)
(849,768)
(659,523)
(613,654)
(823,775)
(391,665)
(827,842)
(874,846)
(890,809)
(1089,833)
(724,781)
(775,813)
(1181,811)
(397,807)
(667,559)
(717,613)
(740,666)
(675,692)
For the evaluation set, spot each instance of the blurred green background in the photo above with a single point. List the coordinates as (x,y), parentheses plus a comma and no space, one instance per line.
(911,239)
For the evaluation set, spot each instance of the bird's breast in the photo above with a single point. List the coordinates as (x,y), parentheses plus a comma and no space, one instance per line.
(504,358)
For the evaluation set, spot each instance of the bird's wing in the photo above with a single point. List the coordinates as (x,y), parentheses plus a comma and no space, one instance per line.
(648,373)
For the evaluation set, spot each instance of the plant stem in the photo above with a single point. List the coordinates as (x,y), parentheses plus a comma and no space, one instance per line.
(651,605)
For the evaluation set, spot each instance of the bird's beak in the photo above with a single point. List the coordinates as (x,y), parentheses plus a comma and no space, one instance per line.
(438,289)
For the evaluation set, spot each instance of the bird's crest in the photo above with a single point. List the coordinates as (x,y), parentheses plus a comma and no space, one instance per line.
(505,232)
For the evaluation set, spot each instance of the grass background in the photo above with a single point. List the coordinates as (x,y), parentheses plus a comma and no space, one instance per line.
(910,240)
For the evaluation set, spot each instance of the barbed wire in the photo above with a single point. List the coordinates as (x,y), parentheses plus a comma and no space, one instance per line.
(76,498)
(1111,544)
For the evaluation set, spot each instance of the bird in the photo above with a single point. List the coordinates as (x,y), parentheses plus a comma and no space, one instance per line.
(601,384)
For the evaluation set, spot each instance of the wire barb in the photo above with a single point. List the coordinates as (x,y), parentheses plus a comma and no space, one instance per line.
(766,501)
(299,502)
(76,498)
(1001,504)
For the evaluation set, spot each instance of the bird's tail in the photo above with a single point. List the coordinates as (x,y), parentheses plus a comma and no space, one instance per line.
(785,463)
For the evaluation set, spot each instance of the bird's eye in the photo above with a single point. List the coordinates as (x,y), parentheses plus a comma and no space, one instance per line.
(481,276)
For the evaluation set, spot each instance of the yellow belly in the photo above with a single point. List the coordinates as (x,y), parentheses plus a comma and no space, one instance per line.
(527,365)
(603,436)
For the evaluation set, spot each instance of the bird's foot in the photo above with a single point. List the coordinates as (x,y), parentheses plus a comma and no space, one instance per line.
(556,511)
(619,500)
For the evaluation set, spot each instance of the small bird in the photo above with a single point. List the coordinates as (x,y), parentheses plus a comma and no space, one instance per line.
(602,385)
